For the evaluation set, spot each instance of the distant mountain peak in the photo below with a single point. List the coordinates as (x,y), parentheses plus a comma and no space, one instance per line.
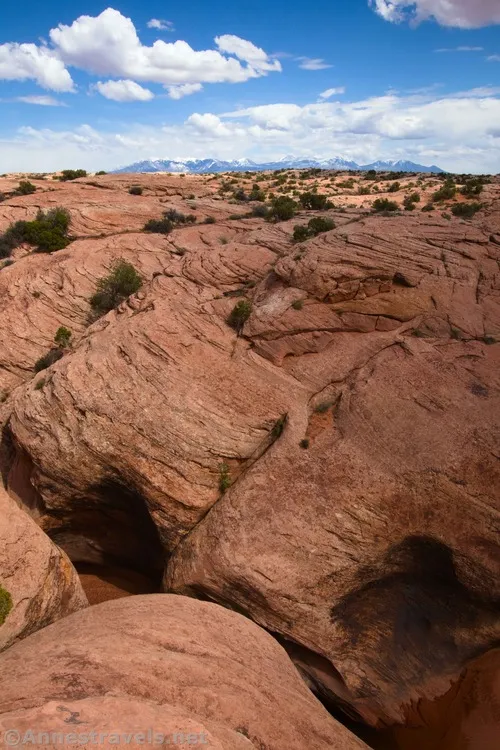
(205,166)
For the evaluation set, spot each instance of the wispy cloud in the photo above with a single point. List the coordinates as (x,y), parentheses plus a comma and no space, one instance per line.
(332,92)
(313,63)
(460,49)
(160,24)
(43,101)
(493,58)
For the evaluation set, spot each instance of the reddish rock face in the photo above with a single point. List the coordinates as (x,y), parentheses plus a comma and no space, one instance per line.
(355,419)
(38,577)
(465,718)
(167,664)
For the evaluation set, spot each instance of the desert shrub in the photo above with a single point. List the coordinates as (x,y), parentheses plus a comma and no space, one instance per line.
(473,187)
(48,232)
(428,207)
(300,233)
(135,190)
(257,194)
(466,210)
(298,304)
(62,337)
(446,192)
(240,195)
(158,226)
(371,175)
(224,478)
(176,217)
(320,224)
(260,212)
(394,187)
(282,209)
(304,443)
(72,174)
(53,355)
(5,604)
(209,220)
(115,288)
(314,202)
(410,200)
(384,204)
(315,226)
(239,315)
(100,173)
(362,190)
(279,426)
(25,188)
(323,407)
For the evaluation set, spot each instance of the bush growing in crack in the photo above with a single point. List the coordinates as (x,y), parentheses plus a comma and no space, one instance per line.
(63,337)
(239,315)
(113,289)
(279,426)
(224,478)
(5,604)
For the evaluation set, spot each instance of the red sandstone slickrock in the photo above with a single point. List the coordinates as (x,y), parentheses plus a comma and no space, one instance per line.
(353,425)
(165,663)
(41,581)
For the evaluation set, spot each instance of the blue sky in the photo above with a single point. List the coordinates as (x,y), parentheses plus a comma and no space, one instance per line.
(84,84)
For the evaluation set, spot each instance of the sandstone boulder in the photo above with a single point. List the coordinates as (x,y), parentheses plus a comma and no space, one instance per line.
(36,577)
(167,664)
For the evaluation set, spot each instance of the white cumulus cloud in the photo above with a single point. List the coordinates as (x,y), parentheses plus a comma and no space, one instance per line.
(22,62)
(463,14)
(124,91)
(108,44)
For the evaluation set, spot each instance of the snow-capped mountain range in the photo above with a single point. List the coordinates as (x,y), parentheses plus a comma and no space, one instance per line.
(204,166)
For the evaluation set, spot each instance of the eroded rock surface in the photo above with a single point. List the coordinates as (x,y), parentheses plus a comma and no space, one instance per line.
(169,664)
(355,417)
(42,584)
